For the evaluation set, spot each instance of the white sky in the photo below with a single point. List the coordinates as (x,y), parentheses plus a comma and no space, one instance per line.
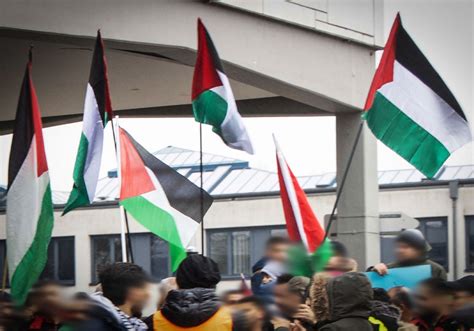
(307,142)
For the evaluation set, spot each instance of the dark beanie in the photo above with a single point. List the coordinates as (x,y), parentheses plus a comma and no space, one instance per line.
(197,271)
(415,239)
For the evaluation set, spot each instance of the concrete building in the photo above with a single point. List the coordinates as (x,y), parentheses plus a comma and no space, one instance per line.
(247,210)
(284,57)
(264,44)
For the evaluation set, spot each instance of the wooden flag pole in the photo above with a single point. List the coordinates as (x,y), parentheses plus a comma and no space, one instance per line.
(125,237)
(201,170)
(340,186)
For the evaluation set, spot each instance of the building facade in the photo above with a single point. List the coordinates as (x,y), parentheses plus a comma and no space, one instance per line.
(247,211)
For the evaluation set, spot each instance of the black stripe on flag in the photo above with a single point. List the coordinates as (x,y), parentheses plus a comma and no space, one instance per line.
(411,57)
(216,60)
(23,130)
(97,78)
(182,194)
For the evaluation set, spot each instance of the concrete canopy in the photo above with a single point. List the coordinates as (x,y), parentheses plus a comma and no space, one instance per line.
(276,68)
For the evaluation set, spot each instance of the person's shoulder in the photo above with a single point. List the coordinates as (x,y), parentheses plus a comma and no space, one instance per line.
(437,270)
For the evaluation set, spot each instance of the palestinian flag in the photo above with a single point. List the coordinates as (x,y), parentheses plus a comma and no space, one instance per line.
(212,98)
(301,222)
(158,197)
(410,108)
(29,205)
(97,112)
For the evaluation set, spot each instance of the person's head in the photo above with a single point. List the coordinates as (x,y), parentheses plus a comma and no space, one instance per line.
(463,290)
(271,271)
(45,297)
(125,284)
(380,294)
(253,311)
(290,292)
(400,297)
(276,249)
(338,265)
(198,271)
(338,249)
(232,297)
(411,245)
(433,297)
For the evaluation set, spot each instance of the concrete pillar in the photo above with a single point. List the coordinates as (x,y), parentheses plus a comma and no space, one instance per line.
(357,212)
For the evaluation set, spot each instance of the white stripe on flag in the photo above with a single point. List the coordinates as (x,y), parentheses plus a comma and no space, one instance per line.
(290,189)
(24,202)
(426,108)
(93,129)
(232,128)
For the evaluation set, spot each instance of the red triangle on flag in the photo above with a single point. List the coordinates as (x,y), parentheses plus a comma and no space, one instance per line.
(135,180)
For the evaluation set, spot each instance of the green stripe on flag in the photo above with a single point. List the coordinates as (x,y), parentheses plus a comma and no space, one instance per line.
(159,222)
(210,108)
(79,196)
(32,264)
(404,136)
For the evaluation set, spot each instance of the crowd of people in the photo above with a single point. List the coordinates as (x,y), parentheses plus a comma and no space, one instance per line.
(337,298)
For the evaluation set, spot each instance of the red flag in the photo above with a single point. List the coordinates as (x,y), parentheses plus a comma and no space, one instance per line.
(301,222)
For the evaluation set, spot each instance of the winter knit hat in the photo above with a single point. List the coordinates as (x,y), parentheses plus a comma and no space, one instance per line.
(197,271)
(415,239)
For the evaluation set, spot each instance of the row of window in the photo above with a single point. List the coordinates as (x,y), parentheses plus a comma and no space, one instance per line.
(149,251)
(235,250)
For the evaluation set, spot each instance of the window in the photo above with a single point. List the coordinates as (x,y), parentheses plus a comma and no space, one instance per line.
(149,251)
(435,230)
(236,250)
(61,261)
(470,243)
(60,265)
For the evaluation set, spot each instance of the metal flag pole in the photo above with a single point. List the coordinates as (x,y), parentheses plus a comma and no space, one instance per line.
(125,237)
(340,186)
(201,170)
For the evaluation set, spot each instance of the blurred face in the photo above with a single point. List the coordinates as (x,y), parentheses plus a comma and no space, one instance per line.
(404,252)
(427,303)
(462,298)
(138,297)
(287,301)
(49,298)
(277,252)
(233,298)
(253,314)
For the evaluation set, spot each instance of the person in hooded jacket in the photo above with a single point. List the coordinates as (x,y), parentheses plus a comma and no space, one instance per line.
(195,305)
(341,303)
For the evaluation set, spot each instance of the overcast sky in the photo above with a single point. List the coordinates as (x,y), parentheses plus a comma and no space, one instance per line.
(308,143)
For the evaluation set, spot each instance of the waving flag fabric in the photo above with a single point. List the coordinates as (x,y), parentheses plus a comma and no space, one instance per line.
(410,108)
(29,205)
(161,199)
(301,222)
(97,112)
(212,97)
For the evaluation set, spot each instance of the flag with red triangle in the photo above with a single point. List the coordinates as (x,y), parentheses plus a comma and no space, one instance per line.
(161,199)
(212,97)
(29,205)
